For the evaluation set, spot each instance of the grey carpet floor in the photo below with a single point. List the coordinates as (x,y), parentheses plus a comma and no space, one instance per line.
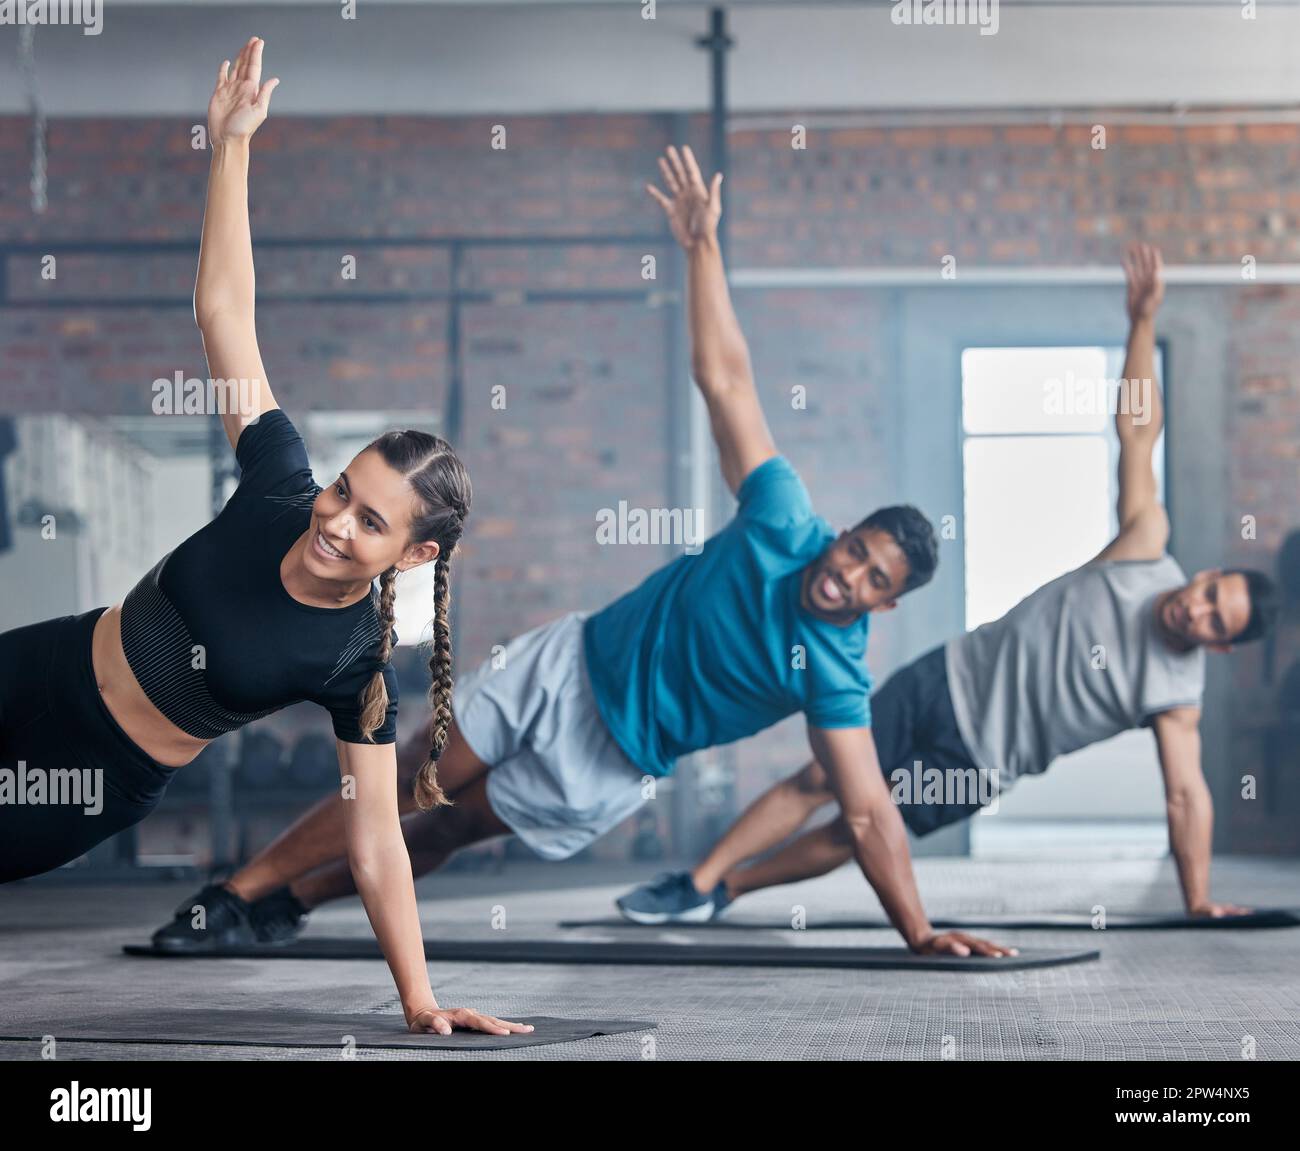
(1165,995)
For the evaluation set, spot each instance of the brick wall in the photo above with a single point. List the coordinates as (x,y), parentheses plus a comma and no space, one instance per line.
(1015,194)
(1264,483)
(586,420)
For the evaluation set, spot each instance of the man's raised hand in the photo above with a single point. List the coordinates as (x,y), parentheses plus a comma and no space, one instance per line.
(693,210)
(1146,286)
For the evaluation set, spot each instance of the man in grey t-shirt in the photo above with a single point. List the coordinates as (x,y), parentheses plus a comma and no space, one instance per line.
(1118,643)
(1078,661)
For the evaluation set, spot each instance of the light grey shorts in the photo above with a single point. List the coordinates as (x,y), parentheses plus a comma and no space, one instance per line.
(558,778)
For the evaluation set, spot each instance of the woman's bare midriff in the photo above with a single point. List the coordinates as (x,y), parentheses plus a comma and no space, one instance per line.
(150,730)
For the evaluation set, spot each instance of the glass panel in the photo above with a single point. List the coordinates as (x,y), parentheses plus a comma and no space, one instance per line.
(1025,390)
(1036,506)
(1061,391)
(88,505)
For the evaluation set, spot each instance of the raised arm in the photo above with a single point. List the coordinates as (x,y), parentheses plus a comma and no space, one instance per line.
(224,287)
(880,840)
(719,354)
(1139,416)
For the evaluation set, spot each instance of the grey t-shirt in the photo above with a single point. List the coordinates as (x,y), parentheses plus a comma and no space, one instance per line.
(1077,661)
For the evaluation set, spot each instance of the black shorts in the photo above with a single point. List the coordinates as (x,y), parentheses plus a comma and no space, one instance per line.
(912,721)
(80,775)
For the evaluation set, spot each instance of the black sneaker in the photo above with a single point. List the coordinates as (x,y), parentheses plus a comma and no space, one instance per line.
(225,919)
(278,917)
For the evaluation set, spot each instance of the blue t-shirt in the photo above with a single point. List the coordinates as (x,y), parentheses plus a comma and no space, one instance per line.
(716,646)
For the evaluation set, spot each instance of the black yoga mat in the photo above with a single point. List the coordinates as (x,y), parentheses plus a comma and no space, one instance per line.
(646,953)
(289,1028)
(1170,921)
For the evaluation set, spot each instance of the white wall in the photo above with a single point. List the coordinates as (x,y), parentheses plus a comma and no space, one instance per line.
(160,58)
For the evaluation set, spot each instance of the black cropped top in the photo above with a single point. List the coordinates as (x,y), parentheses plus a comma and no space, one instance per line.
(214,638)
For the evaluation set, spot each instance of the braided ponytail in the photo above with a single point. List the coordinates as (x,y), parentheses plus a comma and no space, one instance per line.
(374,703)
(442,485)
(428,794)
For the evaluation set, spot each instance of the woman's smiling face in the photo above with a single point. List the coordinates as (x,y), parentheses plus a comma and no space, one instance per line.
(361,523)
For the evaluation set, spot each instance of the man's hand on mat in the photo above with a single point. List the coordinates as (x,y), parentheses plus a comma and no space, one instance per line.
(959,943)
(241,101)
(692,209)
(1146,286)
(1217,910)
(441,1021)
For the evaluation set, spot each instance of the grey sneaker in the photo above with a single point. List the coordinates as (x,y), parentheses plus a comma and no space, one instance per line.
(721,900)
(670,898)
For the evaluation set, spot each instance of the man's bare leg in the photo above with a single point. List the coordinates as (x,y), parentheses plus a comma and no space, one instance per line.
(431,838)
(318,838)
(821,850)
(775,815)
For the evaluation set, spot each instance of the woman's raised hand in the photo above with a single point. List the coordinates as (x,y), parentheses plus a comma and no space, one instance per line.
(241,101)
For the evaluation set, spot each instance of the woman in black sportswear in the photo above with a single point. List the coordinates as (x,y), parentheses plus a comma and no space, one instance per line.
(271,603)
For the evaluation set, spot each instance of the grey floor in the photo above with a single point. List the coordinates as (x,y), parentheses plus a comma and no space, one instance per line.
(1162,995)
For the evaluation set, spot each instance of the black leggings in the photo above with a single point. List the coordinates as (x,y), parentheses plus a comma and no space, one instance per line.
(70,777)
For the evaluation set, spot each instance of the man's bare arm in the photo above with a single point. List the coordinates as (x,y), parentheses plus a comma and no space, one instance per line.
(1189,807)
(1139,416)
(880,839)
(719,354)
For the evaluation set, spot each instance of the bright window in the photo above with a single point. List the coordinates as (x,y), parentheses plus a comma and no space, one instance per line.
(1040,454)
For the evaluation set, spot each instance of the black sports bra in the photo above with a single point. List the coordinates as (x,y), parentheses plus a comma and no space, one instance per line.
(216,641)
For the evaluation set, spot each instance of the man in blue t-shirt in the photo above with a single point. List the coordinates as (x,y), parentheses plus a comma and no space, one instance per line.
(554,740)
(957,727)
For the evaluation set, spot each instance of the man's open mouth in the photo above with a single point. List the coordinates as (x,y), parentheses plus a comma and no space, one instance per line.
(831,589)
